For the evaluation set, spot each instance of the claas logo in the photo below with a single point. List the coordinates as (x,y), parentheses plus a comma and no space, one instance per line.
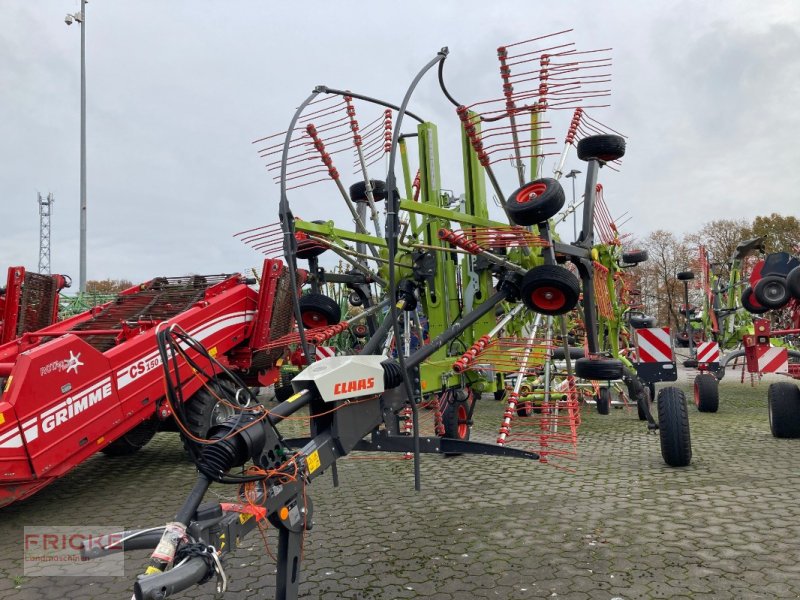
(356,385)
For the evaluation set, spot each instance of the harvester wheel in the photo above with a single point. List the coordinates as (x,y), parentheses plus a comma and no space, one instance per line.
(601,147)
(134,440)
(751,304)
(499,395)
(706,393)
(673,427)
(685,276)
(634,257)
(771,291)
(550,290)
(603,401)
(784,409)
(206,409)
(535,202)
(793,282)
(599,369)
(455,415)
(318,310)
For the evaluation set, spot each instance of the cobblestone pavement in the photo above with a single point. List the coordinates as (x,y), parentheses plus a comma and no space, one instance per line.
(624,526)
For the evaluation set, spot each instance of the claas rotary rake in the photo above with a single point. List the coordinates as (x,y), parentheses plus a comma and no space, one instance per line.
(483,285)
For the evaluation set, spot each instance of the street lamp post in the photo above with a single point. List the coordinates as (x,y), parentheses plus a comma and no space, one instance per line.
(80,17)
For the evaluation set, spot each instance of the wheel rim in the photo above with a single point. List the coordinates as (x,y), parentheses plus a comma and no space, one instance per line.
(530,193)
(463,427)
(221,413)
(774,292)
(696,394)
(313,318)
(548,298)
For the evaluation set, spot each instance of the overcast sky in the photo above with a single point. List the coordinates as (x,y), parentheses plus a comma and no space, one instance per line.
(708,93)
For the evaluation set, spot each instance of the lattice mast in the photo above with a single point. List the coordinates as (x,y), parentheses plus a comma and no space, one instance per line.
(45,211)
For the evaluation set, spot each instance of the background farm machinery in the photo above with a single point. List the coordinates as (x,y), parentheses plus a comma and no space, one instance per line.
(729,329)
(487,300)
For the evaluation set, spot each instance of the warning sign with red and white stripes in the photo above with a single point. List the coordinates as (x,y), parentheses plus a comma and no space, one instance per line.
(654,345)
(770,360)
(708,352)
(325,352)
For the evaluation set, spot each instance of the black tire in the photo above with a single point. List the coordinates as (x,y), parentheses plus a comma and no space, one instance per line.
(358,191)
(499,395)
(134,440)
(649,394)
(783,400)
(706,393)
(603,401)
(454,417)
(574,353)
(204,409)
(524,408)
(354,298)
(535,202)
(750,303)
(318,310)
(599,369)
(673,427)
(682,340)
(634,257)
(602,147)
(642,321)
(793,283)
(307,248)
(685,276)
(771,291)
(550,290)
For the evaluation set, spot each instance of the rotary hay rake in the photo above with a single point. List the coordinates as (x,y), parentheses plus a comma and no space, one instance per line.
(498,288)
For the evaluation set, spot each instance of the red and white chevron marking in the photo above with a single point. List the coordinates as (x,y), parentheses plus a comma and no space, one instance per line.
(325,352)
(772,360)
(708,352)
(654,345)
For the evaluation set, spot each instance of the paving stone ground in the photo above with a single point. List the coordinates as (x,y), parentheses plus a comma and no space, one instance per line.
(623,526)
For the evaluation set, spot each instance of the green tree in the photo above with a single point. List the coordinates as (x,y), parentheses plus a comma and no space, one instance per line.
(107,286)
(781,234)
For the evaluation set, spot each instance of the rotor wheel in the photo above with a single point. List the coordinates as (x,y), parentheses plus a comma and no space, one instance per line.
(550,290)
(318,310)
(706,393)
(598,369)
(603,401)
(634,257)
(793,283)
(535,202)
(771,291)
(751,304)
(604,147)
(455,416)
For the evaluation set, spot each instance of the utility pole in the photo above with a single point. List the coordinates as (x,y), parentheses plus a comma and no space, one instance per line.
(80,17)
(45,210)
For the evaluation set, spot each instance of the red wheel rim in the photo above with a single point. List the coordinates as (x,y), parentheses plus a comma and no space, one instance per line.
(696,394)
(530,192)
(313,319)
(548,298)
(463,427)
